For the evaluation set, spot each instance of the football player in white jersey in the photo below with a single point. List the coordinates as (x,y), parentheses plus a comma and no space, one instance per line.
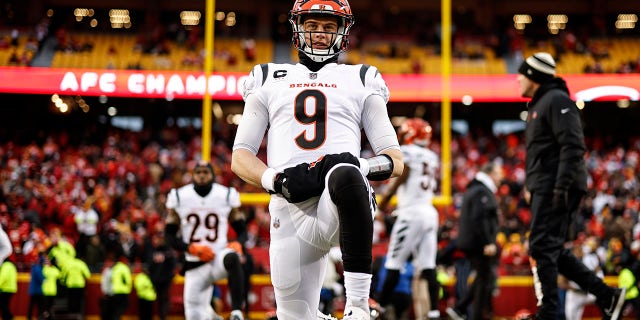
(6,248)
(415,231)
(317,108)
(197,224)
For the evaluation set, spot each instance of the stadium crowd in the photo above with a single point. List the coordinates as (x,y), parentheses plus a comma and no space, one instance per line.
(105,194)
(407,39)
(111,193)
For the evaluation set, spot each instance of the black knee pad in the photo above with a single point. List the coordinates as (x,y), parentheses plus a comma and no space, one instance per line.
(349,191)
(231,261)
(342,179)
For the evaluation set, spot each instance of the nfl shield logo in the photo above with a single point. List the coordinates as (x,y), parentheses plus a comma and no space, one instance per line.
(313,75)
(276,223)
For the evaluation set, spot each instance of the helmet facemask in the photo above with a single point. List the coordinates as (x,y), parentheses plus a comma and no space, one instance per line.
(339,39)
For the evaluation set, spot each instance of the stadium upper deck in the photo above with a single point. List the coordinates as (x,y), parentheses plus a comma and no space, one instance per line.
(399,36)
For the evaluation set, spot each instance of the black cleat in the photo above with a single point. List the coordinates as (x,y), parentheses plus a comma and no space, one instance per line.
(612,307)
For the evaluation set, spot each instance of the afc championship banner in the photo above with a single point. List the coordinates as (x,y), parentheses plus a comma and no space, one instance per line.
(227,86)
(120,83)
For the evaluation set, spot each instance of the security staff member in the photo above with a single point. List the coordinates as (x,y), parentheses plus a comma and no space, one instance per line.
(628,279)
(49,286)
(75,275)
(146,294)
(8,287)
(122,285)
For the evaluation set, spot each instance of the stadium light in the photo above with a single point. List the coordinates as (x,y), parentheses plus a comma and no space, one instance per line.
(231,19)
(119,18)
(524,115)
(520,21)
(556,22)
(623,103)
(626,21)
(190,18)
(467,100)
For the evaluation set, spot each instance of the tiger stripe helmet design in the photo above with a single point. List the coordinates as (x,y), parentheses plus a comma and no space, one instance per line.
(415,131)
(337,8)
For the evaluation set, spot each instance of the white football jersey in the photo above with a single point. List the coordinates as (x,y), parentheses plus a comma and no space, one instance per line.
(204,220)
(422,180)
(313,113)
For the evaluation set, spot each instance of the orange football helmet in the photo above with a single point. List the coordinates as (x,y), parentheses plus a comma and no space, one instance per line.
(415,131)
(337,8)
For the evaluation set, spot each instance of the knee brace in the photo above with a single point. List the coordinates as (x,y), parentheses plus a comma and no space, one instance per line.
(350,192)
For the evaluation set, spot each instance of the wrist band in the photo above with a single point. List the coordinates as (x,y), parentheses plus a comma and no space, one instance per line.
(364,166)
(380,167)
(268,178)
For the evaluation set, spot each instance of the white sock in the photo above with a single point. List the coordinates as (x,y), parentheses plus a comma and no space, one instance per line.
(357,286)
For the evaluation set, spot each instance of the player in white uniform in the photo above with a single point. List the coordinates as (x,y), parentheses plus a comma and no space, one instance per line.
(317,108)
(201,213)
(6,248)
(415,232)
(577,299)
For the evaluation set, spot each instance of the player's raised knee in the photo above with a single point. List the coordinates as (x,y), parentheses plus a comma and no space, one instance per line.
(344,176)
(231,260)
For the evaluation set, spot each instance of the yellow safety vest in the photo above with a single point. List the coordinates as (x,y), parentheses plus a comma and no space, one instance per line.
(626,279)
(50,282)
(8,277)
(144,287)
(121,278)
(76,273)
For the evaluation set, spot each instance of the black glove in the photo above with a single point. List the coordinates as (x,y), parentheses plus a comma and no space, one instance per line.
(306,180)
(171,234)
(560,200)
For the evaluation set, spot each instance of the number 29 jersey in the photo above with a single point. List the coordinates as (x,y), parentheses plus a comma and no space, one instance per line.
(313,113)
(204,220)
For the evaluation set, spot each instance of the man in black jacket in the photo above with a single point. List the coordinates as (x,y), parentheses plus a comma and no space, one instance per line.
(162,264)
(478,227)
(556,181)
